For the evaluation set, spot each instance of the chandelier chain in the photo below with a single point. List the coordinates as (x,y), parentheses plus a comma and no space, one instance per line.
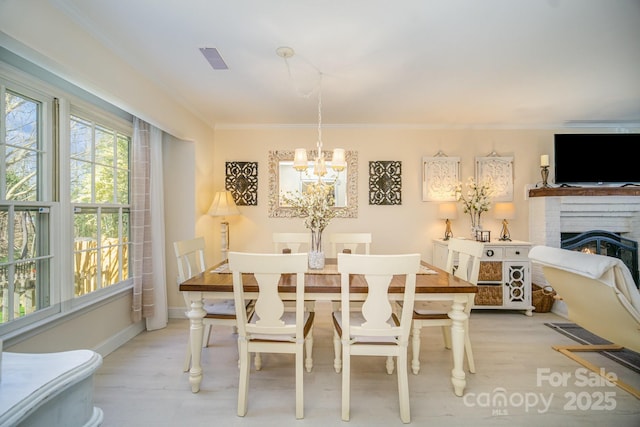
(320,117)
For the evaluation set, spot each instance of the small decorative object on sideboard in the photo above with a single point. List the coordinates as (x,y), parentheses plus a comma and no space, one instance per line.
(504,211)
(483,235)
(544,170)
(447,211)
(475,201)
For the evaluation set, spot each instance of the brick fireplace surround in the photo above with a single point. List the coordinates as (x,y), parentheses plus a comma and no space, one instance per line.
(553,211)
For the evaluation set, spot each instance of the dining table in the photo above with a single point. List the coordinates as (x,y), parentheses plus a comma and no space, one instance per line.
(432,284)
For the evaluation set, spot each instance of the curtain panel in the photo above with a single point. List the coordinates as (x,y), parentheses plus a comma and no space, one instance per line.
(147,227)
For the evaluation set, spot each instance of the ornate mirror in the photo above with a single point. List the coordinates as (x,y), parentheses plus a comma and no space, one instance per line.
(284,178)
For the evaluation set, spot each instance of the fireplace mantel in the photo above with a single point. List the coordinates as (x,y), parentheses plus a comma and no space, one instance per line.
(584,191)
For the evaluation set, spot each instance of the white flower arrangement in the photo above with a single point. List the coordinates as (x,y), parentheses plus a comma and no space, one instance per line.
(477,199)
(315,205)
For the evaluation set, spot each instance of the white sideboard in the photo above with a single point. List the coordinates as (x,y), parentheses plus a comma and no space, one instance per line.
(504,281)
(49,389)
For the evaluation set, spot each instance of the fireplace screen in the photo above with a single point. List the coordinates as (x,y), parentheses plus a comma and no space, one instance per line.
(604,243)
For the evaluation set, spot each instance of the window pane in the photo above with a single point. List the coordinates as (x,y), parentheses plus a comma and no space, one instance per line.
(81,140)
(123,187)
(123,152)
(25,289)
(85,263)
(22,174)
(104,184)
(86,225)
(123,170)
(110,262)
(80,181)
(24,235)
(22,121)
(105,147)
(4,240)
(22,117)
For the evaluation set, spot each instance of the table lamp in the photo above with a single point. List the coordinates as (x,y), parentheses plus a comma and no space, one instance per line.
(447,211)
(504,211)
(223,205)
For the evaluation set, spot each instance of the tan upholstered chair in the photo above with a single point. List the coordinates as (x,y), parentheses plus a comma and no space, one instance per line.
(372,328)
(601,297)
(271,328)
(190,258)
(463,260)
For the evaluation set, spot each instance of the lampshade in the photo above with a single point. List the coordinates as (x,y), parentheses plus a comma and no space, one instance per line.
(505,210)
(300,159)
(447,211)
(223,205)
(338,162)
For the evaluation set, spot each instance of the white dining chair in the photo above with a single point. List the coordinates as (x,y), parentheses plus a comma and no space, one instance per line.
(190,257)
(271,328)
(463,260)
(350,243)
(291,242)
(373,329)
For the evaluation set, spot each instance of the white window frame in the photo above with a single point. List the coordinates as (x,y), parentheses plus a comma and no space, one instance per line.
(57,180)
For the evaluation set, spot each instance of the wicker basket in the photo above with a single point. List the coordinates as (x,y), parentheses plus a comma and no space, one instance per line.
(489,295)
(542,298)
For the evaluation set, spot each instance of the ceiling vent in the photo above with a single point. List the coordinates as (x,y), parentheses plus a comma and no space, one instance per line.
(213,57)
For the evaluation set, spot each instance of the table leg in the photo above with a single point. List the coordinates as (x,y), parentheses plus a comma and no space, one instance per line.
(196,332)
(458,317)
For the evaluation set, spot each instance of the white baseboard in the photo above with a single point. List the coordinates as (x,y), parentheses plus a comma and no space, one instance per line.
(115,341)
(177,313)
(560,308)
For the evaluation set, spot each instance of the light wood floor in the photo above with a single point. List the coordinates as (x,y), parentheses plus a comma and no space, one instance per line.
(142,383)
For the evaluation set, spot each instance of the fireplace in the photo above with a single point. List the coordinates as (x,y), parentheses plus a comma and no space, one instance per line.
(604,243)
(555,211)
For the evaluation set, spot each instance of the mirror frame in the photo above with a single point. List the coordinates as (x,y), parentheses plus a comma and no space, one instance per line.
(277,211)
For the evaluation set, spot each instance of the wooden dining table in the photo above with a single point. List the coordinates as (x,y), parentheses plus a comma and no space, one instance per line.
(432,284)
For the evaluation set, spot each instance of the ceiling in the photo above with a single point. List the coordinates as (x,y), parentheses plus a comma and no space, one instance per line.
(383,62)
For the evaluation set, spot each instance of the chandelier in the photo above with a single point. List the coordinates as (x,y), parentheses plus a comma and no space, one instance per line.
(300,159)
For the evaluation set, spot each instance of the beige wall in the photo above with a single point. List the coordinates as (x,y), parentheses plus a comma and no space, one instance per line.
(407,227)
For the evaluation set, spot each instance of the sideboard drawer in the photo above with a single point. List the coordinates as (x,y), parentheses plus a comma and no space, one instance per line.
(517,252)
(491,254)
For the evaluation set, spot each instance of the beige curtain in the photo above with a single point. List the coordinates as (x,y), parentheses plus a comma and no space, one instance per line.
(147,227)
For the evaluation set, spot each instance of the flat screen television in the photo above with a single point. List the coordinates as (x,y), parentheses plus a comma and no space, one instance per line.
(596,159)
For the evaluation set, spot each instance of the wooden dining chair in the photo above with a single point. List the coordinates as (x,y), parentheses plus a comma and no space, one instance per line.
(190,258)
(290,242)
(463,261)
(373,329)
(350,243)
(271,328)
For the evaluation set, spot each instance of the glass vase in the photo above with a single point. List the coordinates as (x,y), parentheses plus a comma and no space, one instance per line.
(316,254)
(476,224)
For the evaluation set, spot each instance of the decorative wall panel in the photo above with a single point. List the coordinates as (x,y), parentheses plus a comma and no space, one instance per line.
(385,183)
(242,180)
(440,175)
(500,171)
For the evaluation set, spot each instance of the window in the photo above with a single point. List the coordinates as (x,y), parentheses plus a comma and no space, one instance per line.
(99,186)
(64,201)
(25,253)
